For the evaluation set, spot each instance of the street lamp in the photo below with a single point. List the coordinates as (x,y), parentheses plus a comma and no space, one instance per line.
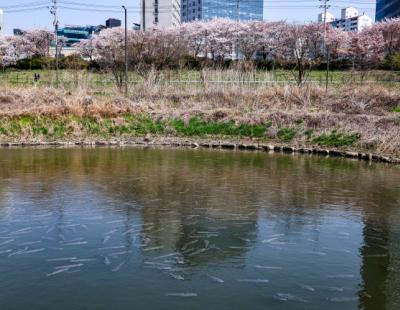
(126,49)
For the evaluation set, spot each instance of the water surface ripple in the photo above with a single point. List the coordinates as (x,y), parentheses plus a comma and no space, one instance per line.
(134,228)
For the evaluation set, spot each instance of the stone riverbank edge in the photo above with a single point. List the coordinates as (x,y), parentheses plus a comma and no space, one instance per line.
(213,144)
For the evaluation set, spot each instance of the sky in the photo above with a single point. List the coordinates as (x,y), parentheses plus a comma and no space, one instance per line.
(290,10)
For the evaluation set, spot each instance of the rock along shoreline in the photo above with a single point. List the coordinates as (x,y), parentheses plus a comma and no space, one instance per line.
(212,144)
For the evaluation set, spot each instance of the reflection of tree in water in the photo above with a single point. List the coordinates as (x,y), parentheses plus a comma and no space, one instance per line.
(380,256)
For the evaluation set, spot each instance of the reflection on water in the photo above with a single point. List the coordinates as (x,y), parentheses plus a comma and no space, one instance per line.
(173,229)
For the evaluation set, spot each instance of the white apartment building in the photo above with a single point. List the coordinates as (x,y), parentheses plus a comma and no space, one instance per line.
(329,17)
(350,20)
(162,13)
(1,22)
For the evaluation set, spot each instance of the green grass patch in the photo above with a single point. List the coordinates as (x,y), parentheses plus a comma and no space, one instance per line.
(396,110)
(286,134)
(337,139)
(15,128)
(199,127)
(3,131)
(309,133)
(90,125)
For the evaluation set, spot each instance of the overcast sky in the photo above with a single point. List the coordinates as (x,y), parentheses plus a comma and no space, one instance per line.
(289,10)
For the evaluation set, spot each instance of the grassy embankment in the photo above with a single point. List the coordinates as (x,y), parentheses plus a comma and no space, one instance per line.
(364,118)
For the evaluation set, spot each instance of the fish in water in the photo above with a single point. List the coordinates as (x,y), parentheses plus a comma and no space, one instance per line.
(82,260)
(197,252)
(343,299)
(268,267)
(56,272)
(60,259)
(288,297)
(215,279)
(76,243)
(181,294)
(308,288)
(270,240)
(189,244)
(112,248)
(6,242)
(106,260)
(341,276)
(117,268)
(167,255)
(318,253)
(336,289)
(176,276)
(110,232)
(153,248)
(32,251)
(69,266)
(120,253)
(254,280)
(17,252)
(106,238)
(30,243)
(21,231)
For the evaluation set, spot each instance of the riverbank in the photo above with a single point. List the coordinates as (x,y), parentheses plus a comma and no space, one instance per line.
(237,145)
(362,122)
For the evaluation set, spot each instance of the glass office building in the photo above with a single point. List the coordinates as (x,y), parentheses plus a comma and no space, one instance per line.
(74,34)
(387,9)
(208,9)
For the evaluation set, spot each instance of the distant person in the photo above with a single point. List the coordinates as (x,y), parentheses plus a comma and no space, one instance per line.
(37,77)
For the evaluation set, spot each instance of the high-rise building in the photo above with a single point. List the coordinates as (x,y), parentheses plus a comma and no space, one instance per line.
(1,22)
(166,13)
(242,10)
(387,9)
(162,13)
(112,23)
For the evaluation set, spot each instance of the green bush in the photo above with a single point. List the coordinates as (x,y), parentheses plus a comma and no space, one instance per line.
(35,63)
(392,62)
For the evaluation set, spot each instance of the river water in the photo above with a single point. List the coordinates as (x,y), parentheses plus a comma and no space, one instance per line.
(134,228)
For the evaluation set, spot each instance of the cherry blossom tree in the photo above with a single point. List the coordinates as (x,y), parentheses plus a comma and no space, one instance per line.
(86,49)
(41,40)
(366,48)
(337,43)
(195,35)
(219,43)
(109,52)
(14,48)
(304,46)
(390,29)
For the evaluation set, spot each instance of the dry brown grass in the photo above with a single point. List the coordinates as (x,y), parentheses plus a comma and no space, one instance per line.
(367,110)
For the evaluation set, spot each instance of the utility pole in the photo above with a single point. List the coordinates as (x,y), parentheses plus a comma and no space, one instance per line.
(238,21)
(326,6)
(53,11)
(126,49)
(144,14)
(238,10)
